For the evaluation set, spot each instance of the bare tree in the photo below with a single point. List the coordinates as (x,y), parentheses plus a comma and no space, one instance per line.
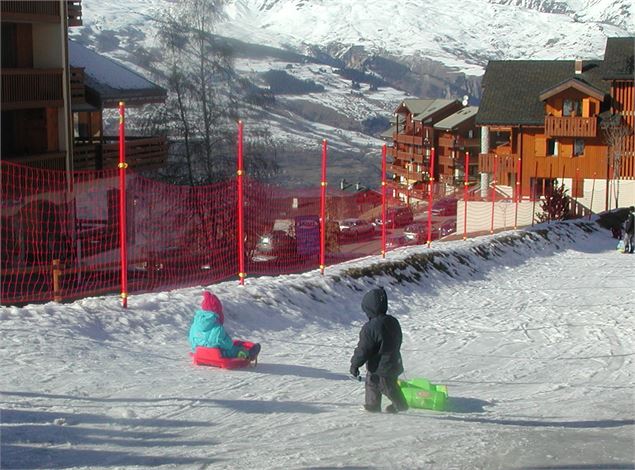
(615,133)
(203,101)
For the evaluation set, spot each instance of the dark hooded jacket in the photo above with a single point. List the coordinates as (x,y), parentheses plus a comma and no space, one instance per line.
(380,338)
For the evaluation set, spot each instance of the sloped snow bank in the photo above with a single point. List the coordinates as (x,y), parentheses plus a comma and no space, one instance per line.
(532,331)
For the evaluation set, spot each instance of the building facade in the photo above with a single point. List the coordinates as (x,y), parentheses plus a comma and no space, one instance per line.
(543,122)
(54,93)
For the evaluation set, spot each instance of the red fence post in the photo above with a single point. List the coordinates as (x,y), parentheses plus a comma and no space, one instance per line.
(466,166)
(576,189)
(592,193)
(491,229)
(430,187)
(241,222)
(122,206)
(518,195)
(534,192)
(383,201)
(323,209)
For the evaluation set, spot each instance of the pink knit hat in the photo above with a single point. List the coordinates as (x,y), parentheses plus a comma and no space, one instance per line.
(211,303)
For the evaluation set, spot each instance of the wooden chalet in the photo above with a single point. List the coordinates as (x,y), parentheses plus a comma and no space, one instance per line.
(544,119)
(52,101)
(458,135)
(106,83)
(618,70)
(413,138)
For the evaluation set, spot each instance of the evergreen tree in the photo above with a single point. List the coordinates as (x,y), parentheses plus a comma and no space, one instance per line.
(556,205)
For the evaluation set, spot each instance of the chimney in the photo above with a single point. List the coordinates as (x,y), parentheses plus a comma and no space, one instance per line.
(342,184)
(578,66)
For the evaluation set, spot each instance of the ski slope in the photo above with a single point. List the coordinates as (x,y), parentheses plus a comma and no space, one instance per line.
(532,331)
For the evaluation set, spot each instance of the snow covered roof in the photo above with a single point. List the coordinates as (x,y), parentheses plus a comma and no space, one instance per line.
(457,118)
(109,82)
(434,107)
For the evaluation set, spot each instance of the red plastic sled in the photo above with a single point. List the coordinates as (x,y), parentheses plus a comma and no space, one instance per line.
(213,357)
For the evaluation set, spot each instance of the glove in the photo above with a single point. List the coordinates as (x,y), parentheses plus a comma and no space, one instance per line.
(242,354)
(354,371)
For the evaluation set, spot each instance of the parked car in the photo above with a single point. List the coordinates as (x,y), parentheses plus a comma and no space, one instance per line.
(355,228)
(418,232)
(445,206)
(446,228)
(275,244)
(396,217)
(397,240)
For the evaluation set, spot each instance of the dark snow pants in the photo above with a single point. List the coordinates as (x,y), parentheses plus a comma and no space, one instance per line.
(376,385)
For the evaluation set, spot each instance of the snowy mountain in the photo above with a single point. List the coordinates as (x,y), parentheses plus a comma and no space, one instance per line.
(422,48)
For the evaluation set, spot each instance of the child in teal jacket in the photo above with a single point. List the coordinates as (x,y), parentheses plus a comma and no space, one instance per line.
(207,329)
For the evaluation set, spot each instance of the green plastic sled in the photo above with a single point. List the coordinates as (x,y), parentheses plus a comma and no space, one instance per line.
(420,393)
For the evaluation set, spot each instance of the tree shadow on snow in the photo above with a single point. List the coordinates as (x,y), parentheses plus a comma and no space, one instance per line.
(42,439)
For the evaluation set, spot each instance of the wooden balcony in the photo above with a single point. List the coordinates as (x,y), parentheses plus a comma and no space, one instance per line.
(74,10)
(460,142)
(408,139)
(78,89)
(31,88)
(141,153)
(400,171)
(570,126)
(40,11)
(500,166)
(407,156)
(46,161)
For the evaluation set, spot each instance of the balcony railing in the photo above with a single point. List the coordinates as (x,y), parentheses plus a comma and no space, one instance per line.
(460,142)
(407,156)
(46,161)
(408,139)
(74,9)
(41,11)
(505,165)
(78,90)
(570,126)
(31,88)
(141,153)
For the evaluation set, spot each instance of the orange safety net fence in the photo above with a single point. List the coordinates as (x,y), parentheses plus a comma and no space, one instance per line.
(60,230)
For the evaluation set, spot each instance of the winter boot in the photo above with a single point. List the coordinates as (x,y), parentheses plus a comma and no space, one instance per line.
(391,409)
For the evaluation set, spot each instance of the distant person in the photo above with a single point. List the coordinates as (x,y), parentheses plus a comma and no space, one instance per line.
(379,348)
(207,330)
(629,230)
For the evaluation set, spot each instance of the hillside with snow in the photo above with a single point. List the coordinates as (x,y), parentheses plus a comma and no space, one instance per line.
(531,330)
(425,49)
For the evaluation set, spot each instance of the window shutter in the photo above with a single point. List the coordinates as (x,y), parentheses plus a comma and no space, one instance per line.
(540,146)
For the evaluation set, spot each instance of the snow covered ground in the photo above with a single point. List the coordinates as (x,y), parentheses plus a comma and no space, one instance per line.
(532,331)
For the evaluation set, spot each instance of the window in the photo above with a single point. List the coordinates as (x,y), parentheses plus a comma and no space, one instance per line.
(578,147)
(552,147)
(572,107)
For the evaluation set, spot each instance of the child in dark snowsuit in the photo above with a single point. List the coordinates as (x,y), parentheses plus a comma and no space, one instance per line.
(629,231)
(379,348)
(207,330)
